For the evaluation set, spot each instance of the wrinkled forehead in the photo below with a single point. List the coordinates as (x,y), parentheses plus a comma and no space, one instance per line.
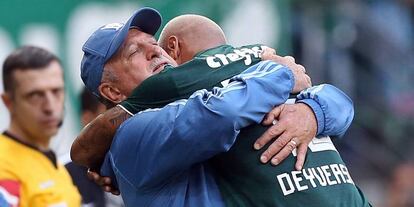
(133,40)
(136,35)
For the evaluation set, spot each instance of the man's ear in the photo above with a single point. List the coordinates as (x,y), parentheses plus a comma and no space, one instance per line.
(173,47)
(111,93)
(7,100)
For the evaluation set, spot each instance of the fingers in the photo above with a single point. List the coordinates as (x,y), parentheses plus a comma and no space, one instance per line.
(109,189)
(271,55)
(268,53)
(289,61)
(269,50)
(106,188)
(116,192)
(302,68)
(99,179)
(296,127)
(301,156)
(302,81)
(104,182)
(272,115)
(284,60)
(289,58)
(274,148)
(309,81)
(272,132)
(281,150)
(93,175)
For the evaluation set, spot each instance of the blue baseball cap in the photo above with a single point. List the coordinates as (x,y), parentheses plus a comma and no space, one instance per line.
(106,40)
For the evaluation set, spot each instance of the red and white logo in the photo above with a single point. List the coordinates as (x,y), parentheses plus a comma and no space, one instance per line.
(9,193)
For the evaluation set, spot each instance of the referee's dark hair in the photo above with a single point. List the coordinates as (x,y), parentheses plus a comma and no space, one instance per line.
(25,58)
(89,102)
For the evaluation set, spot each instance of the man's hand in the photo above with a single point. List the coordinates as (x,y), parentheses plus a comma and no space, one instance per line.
(302,81)
(104,182)
(295,128)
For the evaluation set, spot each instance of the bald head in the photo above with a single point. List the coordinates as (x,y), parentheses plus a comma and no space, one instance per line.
(186,35)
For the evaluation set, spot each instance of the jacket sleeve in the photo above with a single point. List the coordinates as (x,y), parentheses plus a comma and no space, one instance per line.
(333,109)
(158,144)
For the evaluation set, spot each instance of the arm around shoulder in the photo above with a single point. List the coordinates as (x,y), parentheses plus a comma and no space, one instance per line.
(90,147)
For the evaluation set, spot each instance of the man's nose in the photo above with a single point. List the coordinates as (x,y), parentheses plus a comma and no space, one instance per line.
(154,51)
(49,103)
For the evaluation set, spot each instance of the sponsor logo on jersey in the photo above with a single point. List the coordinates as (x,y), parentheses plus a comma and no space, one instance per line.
(244,53)
(9,193)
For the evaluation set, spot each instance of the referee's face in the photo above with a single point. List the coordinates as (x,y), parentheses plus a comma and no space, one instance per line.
(137,59)
(36,105)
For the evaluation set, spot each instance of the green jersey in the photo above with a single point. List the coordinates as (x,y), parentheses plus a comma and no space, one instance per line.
(206,70)
(324,180)
(242,179)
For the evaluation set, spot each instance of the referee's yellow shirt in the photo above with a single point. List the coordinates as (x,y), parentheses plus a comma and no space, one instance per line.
(31,178)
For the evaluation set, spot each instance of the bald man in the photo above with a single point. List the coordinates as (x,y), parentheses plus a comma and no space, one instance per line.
(186,35)
(242,180)
(172,41)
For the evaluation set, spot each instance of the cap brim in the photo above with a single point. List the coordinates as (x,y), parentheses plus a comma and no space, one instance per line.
(147,20)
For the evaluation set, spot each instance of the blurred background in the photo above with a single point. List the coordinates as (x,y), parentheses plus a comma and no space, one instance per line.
(364,47)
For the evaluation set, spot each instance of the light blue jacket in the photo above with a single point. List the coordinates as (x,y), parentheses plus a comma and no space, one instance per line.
(157,157)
